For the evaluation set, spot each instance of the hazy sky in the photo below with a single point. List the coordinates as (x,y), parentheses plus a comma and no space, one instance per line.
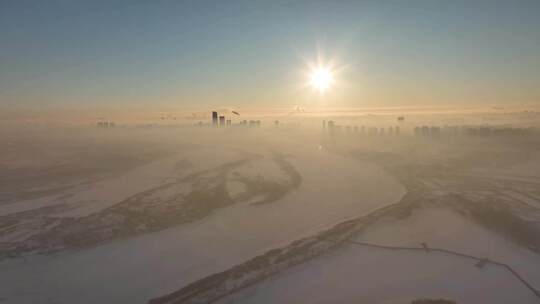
(200,53)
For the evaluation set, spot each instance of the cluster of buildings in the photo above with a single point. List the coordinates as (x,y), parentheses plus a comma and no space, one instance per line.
(427,131)
(483,131)
(221,121)
(251,123)
(105,124)
(333,128)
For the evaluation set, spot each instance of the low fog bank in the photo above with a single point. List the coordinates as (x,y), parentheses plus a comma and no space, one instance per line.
(37,156)
(186,197)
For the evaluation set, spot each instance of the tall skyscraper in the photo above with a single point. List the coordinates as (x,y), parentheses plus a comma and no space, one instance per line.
(214,118)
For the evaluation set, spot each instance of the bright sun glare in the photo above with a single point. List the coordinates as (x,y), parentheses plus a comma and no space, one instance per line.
(321,79)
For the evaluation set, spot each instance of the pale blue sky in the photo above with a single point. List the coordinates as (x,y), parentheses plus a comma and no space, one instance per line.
(190,53)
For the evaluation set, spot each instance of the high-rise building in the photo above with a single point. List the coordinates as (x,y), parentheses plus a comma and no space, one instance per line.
(214,118)
(425,130)
(331,125)
(331,128)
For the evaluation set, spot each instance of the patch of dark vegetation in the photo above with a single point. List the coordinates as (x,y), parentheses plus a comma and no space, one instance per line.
(216,286)
(6,222)
(381,157)
(498,217)
(182,165)
(142,212)
(491,212)
(134,216)
(406,172)
(75,169)
(20,195)
(270,190)
(296,178)
(433,301)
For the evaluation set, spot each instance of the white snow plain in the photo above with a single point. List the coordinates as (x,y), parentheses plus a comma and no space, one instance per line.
(359,274)
(134,270)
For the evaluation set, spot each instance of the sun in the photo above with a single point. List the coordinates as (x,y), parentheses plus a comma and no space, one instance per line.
(321,79)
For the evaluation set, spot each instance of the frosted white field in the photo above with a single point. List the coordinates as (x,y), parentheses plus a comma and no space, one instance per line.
(87,199)
(134,270)
(370,275)
(446,229)
(359,274)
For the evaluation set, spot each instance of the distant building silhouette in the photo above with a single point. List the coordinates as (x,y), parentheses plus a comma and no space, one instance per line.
(425,130)
(215,118)
(105,124)
(435,131)
(331,127)
(222,120)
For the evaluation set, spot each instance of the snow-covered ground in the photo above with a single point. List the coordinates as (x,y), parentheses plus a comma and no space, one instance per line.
(359,274)
(87,199)
(370,275)
(444,228)
(133,270)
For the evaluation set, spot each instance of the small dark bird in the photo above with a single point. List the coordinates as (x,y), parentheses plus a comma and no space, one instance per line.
(234,112)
